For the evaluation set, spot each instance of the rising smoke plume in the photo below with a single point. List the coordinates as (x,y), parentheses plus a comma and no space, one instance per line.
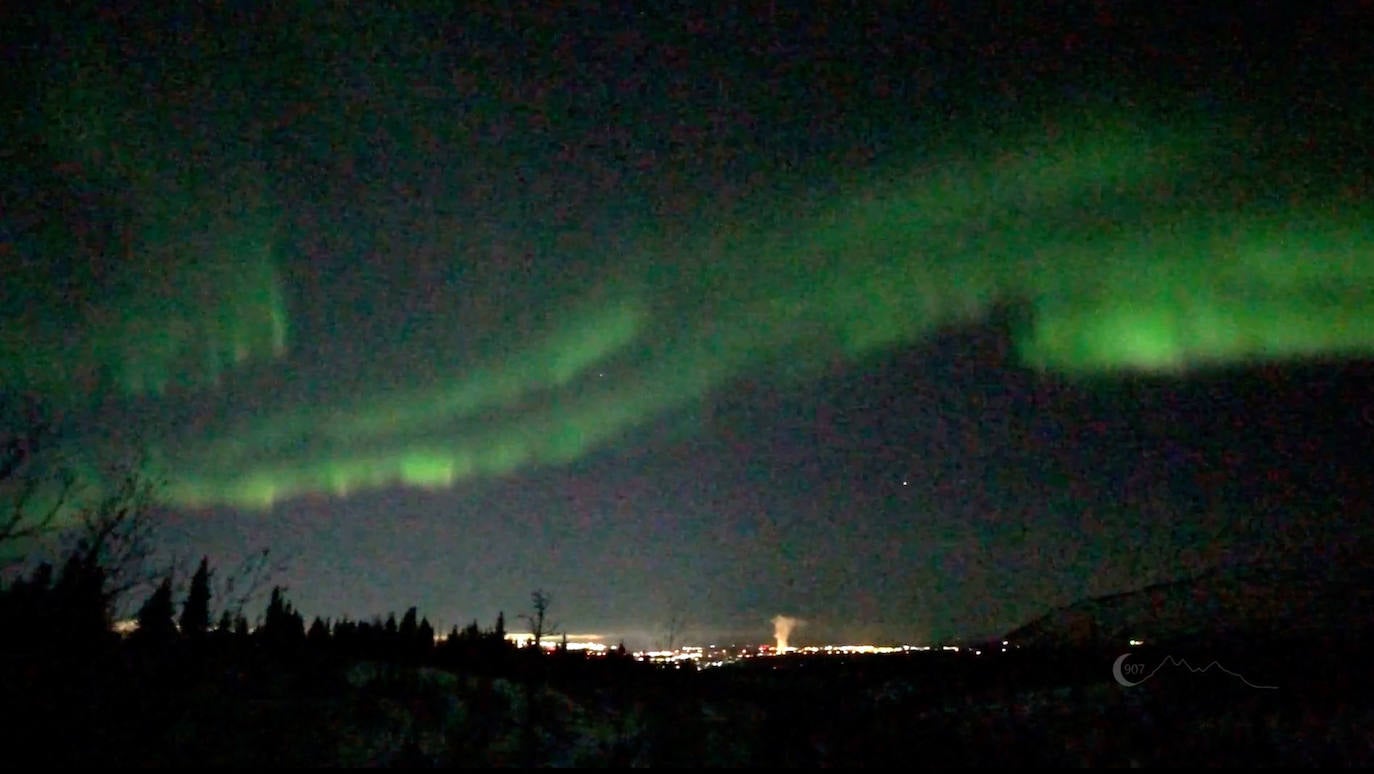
(782,630)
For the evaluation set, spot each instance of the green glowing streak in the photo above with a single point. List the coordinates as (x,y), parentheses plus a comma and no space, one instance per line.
(205,318)
(1117,278)
(1261,287)
(195,296)
(586,340)
(189,291)
(412,438)
(186,327)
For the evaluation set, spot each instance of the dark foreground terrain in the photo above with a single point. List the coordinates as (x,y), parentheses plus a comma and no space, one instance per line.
(1261,664)
(230,706)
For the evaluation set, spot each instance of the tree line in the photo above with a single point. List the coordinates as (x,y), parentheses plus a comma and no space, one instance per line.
(70,605)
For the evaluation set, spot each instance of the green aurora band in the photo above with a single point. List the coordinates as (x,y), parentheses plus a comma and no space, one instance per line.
(1122,243)
(192,295)
(186,326)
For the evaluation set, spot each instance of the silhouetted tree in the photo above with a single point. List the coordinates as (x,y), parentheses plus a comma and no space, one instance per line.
(106,539)
(675,625)
(195,614)
(155,617)
(538,618)
(26,609)
(318,636)
(410,625)
(424,636)
(283,629)
(343,636)
(80,605)
(276,607)
(541,626)
(41,577)
(472,632)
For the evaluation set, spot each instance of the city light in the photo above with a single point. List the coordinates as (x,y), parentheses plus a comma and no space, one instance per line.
(591,643)
(717,655)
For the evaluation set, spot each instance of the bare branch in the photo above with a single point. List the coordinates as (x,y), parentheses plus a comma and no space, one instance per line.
(540,624)
(25,517)
(676,625)
(247,582)
(117,534)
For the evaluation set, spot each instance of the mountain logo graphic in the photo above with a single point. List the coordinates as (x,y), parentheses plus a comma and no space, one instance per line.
(1130,675)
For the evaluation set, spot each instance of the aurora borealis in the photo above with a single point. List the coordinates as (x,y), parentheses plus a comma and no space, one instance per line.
(1159,289)
(366,254)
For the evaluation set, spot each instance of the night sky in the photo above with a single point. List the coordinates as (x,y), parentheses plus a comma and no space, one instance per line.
(907,323)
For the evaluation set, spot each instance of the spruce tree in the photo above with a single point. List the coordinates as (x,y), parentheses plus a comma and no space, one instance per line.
(195,614)
(318,636)
(410,625)
(283,628)
(155,618)
(425,636)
